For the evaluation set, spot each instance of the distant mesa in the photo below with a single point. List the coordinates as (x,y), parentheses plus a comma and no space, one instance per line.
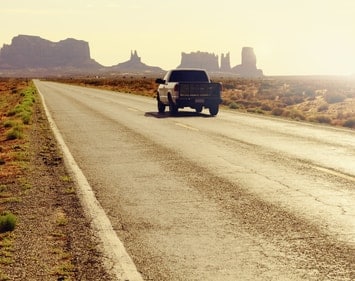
(33,52)
(34,56)
(134,64)
(210,62)
(199,60)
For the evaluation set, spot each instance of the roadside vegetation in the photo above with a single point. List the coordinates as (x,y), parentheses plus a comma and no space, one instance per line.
(327,100)
(44,234)
(17,99)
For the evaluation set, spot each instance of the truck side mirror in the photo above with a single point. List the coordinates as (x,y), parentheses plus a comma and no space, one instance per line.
(160,81)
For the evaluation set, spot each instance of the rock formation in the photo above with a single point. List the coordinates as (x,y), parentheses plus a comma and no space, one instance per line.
(34,56)
(248,66)
(134,64)
(225,63)
(199,60)
(31,52)
(209,62)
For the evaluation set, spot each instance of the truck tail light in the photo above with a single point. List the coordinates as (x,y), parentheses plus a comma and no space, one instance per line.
(176,88)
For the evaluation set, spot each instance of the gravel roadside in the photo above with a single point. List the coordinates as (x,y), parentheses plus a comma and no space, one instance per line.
(53,239)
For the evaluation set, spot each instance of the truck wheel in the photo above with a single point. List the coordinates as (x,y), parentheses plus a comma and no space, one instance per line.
(173,109)
(161,106)
(199,108)
(214,109)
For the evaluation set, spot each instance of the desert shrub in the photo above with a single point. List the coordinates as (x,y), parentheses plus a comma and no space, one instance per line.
(334,97)
(7,222)
(9,124)
(265,107)
(350,123)
(324,119)
(15,133)
(255,110)
(298,99)
(12,112)
(24,109)
(233,105)
(277,111)
(323,107)
(294,114)
(320,119)
(288,101)
(26,117)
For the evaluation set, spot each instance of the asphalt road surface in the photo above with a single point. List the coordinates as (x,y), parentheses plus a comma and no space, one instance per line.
(232,197)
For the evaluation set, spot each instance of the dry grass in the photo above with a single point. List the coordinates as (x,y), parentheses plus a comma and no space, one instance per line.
(11,125)
(11,165)
(52,239)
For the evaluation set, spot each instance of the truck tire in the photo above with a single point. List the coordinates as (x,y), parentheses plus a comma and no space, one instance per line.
(173,109)
(199,108)
(214,109)
(161,106)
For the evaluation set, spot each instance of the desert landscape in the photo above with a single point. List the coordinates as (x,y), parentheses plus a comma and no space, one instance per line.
(105,176)
(328,100)
(30,162)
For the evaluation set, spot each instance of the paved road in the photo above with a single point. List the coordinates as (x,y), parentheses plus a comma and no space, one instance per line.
(232,197)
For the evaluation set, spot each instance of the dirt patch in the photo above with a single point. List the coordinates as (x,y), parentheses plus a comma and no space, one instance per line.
(52,239)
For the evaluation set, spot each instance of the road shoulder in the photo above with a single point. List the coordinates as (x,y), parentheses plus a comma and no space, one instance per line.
(53,238)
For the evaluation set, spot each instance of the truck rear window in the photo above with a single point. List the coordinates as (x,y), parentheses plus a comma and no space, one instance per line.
(188,76)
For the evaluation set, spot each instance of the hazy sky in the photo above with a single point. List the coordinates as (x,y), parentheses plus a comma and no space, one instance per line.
(288,36)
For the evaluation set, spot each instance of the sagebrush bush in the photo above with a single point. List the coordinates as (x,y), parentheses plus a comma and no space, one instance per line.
(277,111)
(7,222)
(26,117)
(15,133)
(350,123)
(9,124)
(233,105)
(323,107)
(320,119)
(294,114)
(265,107)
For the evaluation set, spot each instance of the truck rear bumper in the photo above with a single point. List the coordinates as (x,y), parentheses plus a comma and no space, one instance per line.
(197,101)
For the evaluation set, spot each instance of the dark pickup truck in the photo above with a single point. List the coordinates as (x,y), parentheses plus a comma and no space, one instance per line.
(188,88)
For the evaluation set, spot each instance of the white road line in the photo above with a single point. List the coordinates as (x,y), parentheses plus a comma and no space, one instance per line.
(117,260)
(133,109)
(186,126)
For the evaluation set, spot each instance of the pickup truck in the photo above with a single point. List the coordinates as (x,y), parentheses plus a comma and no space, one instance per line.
(188,88)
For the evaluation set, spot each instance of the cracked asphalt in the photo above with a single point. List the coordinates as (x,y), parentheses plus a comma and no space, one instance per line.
(235,197)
